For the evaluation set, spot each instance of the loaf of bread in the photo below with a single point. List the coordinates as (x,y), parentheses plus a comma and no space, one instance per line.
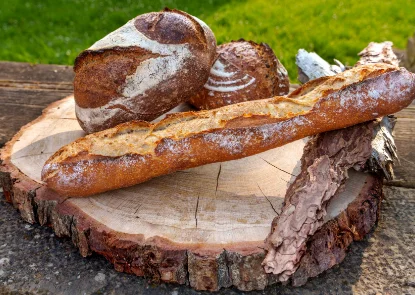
(243,71)
(138,151)
(143,69)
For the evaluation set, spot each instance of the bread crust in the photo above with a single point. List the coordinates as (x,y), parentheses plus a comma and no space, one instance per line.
(243,71)
(143,69)
(137,151)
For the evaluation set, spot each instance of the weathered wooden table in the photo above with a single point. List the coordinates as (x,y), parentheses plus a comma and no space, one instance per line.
(384,262)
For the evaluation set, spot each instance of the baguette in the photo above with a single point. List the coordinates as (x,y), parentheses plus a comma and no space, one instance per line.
(137,151)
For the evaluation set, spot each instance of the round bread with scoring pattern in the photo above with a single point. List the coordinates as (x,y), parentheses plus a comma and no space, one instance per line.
(243,71)
(143,69)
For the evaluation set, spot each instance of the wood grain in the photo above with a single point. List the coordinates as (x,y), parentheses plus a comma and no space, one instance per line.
(25,90)
(405,142)
(17,71)
(404,134)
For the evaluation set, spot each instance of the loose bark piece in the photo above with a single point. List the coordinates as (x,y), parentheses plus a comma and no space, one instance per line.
(322,178)
(384,152)
(328,246)
(311,66)
(327,158)
(378,52)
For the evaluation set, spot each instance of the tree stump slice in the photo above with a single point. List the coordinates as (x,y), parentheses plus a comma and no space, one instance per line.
(203,226)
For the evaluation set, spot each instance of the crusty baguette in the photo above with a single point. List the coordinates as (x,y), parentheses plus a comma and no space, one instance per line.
(137,151)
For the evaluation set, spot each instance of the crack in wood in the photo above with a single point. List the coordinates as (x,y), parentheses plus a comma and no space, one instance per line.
(217,178)
(64,201)
(72,226)
(197,208)
(31,155)
(34,205)
(135,212)
(272,206)
(228,267)
(277,167)
(186,267)
(183,171)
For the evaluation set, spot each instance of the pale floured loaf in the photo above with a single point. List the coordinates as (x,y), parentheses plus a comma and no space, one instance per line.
(243,71)
(137,151)
(143,69)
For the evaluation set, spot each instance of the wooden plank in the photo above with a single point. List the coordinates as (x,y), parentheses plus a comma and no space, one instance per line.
(13,117)
(19,107)
(408,112)
(25,90)
(404,134)
(405,142)
(12,84)
(16,71)
(29,97)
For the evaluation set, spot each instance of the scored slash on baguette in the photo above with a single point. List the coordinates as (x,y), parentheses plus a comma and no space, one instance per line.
(134,152)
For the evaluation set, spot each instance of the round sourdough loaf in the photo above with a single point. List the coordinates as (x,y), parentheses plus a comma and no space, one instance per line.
(143,69)
(243,71)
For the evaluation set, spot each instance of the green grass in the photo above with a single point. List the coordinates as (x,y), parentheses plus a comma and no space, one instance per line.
(56,31)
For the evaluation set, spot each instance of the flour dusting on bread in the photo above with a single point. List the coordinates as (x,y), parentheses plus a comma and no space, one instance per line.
(243,71)
(143,69)
(152,71)
(227,78)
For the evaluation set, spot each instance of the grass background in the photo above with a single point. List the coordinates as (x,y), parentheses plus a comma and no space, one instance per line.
(56,31)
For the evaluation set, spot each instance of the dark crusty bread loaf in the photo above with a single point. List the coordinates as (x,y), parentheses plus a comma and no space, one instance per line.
(137,151)
(143,69)
(243,71)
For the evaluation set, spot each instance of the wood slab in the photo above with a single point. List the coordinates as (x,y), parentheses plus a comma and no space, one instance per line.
(203,226)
